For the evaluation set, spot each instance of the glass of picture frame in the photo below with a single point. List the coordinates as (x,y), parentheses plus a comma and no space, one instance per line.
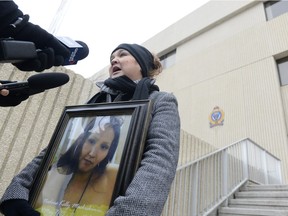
(92,157)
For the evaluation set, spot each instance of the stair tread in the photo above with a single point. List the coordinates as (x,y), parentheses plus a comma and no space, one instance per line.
(259,202)
(267,194)
(263,192)
(231,210)
(265,188)
(267,185)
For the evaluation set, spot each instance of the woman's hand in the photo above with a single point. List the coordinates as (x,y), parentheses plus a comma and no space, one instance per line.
(18,207)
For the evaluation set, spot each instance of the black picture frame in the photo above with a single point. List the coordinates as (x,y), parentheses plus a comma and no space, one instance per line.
(132,117)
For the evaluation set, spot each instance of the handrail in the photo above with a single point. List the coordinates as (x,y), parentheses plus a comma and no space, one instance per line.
(218,150)
(201,185)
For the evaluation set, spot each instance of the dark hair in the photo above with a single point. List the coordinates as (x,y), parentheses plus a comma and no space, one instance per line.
(70,159)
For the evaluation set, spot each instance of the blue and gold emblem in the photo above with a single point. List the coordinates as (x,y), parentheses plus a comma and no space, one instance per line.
(216,117)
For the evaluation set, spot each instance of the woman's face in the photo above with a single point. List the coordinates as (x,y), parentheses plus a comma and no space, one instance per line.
(95,149)
(123,63)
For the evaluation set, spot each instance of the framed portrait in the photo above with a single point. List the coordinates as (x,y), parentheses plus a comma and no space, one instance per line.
(92,157)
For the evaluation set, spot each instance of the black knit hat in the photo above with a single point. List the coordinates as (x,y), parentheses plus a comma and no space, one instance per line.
(142,55)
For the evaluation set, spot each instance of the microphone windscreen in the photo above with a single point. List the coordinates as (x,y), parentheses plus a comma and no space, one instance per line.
(47,80)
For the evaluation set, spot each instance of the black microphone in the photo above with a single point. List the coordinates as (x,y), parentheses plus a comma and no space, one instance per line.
(36,84)
(14,51)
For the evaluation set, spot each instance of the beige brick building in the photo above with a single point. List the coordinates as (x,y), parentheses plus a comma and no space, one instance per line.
(226,54)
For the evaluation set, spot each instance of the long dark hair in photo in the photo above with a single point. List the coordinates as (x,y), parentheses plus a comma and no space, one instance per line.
(68,162)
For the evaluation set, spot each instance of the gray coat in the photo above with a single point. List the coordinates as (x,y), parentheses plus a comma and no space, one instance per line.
(149,189)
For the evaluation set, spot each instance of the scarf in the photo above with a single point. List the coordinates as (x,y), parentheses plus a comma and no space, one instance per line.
(123,89)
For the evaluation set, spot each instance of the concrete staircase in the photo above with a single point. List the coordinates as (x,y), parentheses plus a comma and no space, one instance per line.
(252,200)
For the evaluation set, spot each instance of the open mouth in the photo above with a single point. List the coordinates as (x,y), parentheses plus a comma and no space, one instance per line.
(115,69)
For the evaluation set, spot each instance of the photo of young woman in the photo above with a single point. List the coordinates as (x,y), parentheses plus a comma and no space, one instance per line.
(81,182)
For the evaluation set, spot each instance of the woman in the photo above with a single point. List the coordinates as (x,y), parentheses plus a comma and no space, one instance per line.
(80,183)
(132,69)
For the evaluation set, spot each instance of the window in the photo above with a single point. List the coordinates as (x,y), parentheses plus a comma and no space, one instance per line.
(275,8)
(168,59)
(283,70)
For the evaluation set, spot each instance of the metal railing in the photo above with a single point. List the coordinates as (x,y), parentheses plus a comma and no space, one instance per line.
(202,185)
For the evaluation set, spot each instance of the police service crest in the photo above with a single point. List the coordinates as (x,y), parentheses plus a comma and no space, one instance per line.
(216,117)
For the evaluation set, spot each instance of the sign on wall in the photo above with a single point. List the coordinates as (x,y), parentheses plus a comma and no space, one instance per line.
(216,117)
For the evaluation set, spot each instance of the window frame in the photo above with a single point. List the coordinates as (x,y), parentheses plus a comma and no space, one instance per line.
(168,59)
(282,68)
(272,11)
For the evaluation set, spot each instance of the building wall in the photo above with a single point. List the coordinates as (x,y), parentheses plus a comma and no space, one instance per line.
(228,60)
(192,148)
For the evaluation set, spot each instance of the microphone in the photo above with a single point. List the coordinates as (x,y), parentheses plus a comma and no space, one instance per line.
(78,50)
(14,51)
(36,84)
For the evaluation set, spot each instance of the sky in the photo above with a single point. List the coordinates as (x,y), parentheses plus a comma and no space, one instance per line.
(103,25)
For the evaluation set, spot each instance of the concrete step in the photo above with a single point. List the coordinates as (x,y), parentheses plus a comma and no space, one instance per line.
(265,188)
(227,211)
(258,203)
(260,200)
(262,194)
